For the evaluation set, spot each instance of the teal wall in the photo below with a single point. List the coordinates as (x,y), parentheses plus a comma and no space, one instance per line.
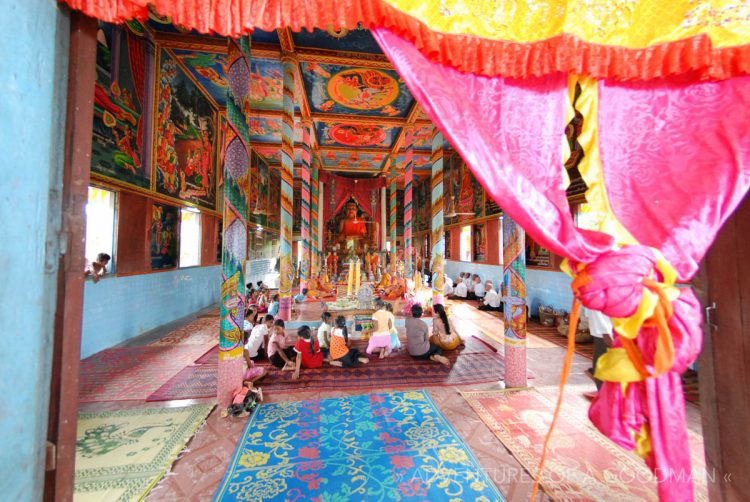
(34,39)
(544,287)
(118,308)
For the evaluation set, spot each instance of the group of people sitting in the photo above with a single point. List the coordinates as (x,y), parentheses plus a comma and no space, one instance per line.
(470,287)
(331,342)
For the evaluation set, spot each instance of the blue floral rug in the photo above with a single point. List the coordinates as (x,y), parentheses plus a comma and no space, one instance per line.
(394,446)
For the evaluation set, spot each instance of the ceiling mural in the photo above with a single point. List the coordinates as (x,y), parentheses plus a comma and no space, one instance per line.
(356,91)
(271,153)
(208,69)
(422,161)
(266,84)
(268,130)
(356,40)
(357,135)
(353,160)
(423,137)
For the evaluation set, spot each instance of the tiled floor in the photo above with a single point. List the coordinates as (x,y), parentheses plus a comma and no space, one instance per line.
(196,475)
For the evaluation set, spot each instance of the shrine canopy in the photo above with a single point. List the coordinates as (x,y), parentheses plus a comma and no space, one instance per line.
(619,39)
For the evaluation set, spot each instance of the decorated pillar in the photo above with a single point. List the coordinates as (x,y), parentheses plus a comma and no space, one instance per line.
(234,243)
(514,303)
(304,265)
(286,269)
(392,220)
(321,219)
(438,233)
(314,265)
(383,224)
(408,209)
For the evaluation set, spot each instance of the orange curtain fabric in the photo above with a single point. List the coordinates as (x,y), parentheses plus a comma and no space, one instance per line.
(642,40)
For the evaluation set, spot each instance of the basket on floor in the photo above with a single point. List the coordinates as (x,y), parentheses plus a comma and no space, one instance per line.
(546,316)
(582,335)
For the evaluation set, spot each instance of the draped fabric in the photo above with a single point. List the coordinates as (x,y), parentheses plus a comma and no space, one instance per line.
(622,39)
(669,163)
(346,188)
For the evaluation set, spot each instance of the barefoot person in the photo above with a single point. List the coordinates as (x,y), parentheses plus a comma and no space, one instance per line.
(418,339)
(308,351)
(280,353)
(341,354)
(442,334)
(380,340)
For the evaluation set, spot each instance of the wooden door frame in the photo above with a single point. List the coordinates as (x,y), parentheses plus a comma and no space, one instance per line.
(723,285)
(66,348)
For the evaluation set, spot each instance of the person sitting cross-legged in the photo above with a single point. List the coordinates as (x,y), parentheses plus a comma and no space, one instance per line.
(491,301)
(418,339)
(280,353)
(308,351)
(443,335)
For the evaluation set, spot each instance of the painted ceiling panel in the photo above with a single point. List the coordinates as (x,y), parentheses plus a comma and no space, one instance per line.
(423,138)
(208,69)
(268,130)
(421,161)
(354,90)
(265,37)
(355,135)
(272,154)
(357,40)
(352,160)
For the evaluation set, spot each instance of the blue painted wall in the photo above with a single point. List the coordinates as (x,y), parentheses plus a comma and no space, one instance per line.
(544,287)
(118,308)
(34,38)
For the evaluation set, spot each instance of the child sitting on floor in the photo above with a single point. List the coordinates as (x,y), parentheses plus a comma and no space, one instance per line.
(256,342)
(279,351)
(341,354)
(308,351)
(300,298)
(324,335)
(381,336)
(273,307)
(395,342)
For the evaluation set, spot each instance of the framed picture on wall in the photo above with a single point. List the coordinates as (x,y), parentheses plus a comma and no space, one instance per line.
(479,242)
(447,244)
(537,256)
(164,231)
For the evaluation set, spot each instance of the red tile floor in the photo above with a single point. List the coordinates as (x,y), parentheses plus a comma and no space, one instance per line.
(197,473)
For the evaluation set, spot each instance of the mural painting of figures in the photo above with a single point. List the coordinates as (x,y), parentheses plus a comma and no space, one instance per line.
(465,197)
(119,128)
(479,243)
(185,137)
(478,195)
(164,220)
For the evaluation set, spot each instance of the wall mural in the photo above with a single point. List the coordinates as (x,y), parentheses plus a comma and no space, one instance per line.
(164,228)
(352,90)
(266,84)
(467,193)
(422,205)
(268,130)
(536,256)
(271,154)
(353,160)
(347,134)
(120,135)
(490,206)
(185,137)
(479,242)
(273,219)
(208,68)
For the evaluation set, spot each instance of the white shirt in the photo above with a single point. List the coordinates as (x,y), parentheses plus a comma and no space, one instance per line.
(492,299)
(322,330)
(479,290)
(447,286)
(461,290)
(599,324)
(255,340)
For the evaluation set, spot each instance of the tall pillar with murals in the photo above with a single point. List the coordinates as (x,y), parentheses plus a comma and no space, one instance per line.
(304,264)
(234,243)
(408,203)
(514,284)
(286,269)
(438,231)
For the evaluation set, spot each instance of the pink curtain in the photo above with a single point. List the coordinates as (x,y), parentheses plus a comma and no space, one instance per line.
(675,164)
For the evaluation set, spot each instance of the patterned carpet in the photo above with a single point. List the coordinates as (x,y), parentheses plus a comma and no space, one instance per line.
(202,331)
(477,362)
(191,383)
(395,446)
(521,418)
(132,373)
(121,455)
(210,357)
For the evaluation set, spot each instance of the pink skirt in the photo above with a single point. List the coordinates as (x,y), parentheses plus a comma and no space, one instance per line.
(253,373)
(380,340)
